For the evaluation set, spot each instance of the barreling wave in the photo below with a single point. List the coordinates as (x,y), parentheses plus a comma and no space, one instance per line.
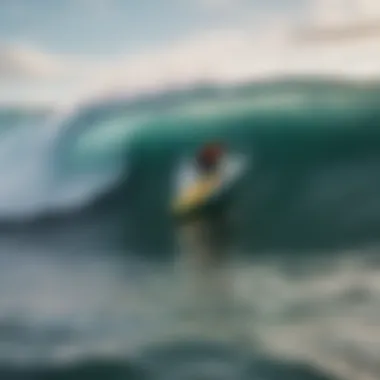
(316,146)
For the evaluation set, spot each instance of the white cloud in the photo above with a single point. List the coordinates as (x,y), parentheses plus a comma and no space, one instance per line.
(216,55)
(219,55)
(20,62)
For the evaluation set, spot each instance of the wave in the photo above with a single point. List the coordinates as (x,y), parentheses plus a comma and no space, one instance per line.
(35,181)
(314,180)
(69,160)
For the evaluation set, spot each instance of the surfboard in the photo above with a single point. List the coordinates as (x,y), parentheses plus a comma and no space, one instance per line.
(194,192)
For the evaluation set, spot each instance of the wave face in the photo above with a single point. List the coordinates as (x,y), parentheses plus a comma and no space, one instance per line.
(313,181)
(314,151)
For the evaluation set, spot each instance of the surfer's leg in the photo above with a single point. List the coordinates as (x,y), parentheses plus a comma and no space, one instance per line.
(201,268)
(190,264)
(206,275)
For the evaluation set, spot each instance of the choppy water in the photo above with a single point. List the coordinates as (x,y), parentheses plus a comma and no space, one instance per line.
(87,245)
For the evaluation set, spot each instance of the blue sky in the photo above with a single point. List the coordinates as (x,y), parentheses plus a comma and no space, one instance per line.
(58,51)
(122,26)
(52,49)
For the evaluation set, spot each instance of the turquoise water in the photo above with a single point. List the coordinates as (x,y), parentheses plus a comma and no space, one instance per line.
(87,243)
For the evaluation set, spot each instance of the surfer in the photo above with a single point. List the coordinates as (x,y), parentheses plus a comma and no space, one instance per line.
(205,206)
(202,211)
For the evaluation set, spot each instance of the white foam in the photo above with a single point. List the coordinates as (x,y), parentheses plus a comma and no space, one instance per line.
(33,163)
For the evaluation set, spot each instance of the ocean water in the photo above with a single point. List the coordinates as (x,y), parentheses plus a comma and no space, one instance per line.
(87,282)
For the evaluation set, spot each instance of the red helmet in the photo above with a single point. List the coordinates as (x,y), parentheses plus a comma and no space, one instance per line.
(210,154)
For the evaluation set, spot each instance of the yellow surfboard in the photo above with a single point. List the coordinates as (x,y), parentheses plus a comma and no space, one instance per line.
(196,195)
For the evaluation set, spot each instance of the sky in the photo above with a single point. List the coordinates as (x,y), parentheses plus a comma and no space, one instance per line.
(60,50)
(100,27)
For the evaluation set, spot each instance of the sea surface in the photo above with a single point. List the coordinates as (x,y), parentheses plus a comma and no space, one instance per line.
(88,288)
